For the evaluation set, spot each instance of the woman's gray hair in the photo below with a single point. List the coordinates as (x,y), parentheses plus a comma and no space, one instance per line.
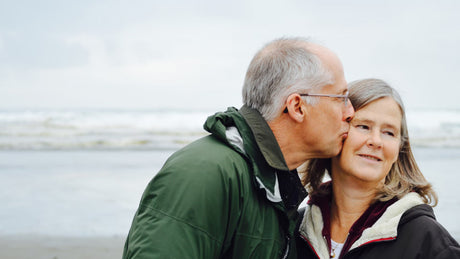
(404,176)
(281,68)
(368,90)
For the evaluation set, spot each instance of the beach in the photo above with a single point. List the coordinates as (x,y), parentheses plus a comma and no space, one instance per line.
(71,204)
(50,247)
(80,203)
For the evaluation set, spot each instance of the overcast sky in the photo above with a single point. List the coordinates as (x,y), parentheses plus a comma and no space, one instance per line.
(173,54)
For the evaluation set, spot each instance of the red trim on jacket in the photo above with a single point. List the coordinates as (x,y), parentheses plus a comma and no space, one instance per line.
(379,240)
(308,242)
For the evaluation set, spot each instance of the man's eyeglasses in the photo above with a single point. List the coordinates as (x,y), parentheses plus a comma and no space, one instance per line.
(344,97)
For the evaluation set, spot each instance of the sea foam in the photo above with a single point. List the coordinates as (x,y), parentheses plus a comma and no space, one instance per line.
(164,129)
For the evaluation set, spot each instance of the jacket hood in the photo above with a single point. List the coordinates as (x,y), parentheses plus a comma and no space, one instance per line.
(258,127)
(217,124)
(413,213)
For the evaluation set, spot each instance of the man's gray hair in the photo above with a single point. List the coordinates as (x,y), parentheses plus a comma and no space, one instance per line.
(281,68)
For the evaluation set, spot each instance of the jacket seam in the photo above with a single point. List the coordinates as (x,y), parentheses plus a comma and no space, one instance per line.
(182,221)
(257,237)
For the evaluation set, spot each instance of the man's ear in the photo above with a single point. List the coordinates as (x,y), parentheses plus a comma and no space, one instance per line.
(295,107)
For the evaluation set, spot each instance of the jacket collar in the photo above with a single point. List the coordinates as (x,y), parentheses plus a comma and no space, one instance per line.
(264,138)
(249,134)
(379,222)
(386,227)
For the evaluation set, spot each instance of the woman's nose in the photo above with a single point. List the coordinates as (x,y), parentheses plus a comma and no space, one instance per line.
(374,139)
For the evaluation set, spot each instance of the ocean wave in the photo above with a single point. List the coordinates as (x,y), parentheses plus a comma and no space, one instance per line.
(115,142)
(61,130)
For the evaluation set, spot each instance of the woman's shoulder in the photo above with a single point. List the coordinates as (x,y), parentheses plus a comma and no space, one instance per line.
(417,214)
(421,220)
(419,225)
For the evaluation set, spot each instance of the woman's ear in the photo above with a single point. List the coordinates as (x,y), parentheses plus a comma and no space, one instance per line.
(294,107)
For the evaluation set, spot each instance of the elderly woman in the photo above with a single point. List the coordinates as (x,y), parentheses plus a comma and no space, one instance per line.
(377,203)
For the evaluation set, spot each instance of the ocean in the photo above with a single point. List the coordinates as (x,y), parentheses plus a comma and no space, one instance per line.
(81,173)
(164,129)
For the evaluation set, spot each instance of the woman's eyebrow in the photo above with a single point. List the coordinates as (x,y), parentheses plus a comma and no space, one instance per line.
(372,122)
(390,125)
(356,119)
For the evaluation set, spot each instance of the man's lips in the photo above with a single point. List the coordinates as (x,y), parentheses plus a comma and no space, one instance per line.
(371,157)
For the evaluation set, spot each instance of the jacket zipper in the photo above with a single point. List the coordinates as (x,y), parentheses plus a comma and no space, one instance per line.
(286,252)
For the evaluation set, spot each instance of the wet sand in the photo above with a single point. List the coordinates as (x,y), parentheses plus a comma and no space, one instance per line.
(50,247)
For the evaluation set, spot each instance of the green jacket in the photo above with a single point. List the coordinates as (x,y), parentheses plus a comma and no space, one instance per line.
(219,197)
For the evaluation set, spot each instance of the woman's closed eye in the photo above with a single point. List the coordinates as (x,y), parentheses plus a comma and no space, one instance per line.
(389,133)
(362,127)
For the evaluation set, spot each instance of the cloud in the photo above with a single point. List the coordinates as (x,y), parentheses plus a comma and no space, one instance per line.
(144,53)
(30,51)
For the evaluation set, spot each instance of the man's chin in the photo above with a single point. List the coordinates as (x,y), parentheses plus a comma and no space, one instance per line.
(333,152)
(338,149)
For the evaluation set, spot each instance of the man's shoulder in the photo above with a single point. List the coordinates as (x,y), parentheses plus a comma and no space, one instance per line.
(419,223)
(203,167)
(210,148)
(206,156)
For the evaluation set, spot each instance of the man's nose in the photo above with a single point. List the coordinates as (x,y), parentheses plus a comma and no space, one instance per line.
(349,112)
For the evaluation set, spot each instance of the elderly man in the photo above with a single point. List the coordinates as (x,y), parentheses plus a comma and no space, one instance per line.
(235,193)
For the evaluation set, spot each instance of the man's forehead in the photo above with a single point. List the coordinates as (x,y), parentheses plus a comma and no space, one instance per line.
(341,88)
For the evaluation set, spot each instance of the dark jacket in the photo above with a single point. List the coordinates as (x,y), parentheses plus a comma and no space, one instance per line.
(225,195)
(407,228)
